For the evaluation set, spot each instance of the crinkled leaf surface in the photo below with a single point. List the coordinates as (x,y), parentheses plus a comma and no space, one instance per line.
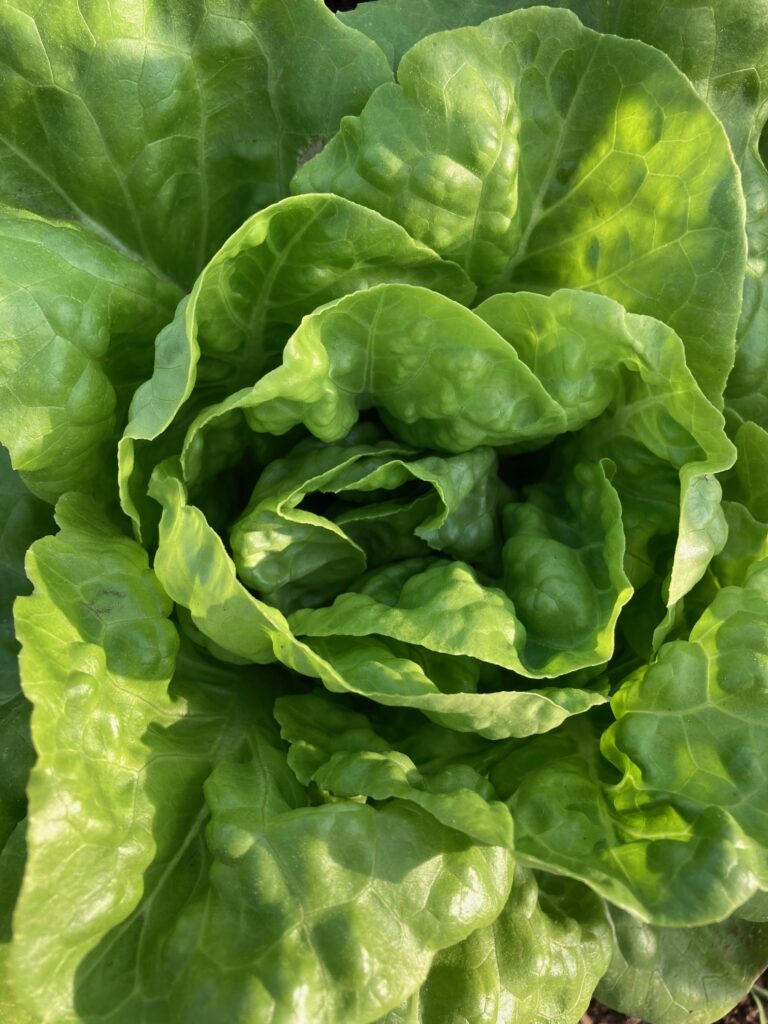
(153,890)
(198,573)
(353,761)
(479,494)
(344,906)
(537,963)
(722,48)
(278,267)
(541,154)
(592,357)
(79,320)
(688,800)
(97,652)
(296,557)
(122,128)
(129,119)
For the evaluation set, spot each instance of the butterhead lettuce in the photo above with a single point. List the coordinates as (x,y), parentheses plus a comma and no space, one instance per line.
(383,511)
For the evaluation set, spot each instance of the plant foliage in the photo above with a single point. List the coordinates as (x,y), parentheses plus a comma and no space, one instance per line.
(398,381)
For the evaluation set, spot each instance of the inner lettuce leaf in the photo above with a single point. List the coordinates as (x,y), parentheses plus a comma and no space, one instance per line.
(585,349)
(550,366)
(297,557)
(278,267)
(197,572)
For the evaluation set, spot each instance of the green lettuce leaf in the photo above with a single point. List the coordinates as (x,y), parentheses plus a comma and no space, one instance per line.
(721,47)
(681,975)
(198,573)
(352,761)
(12,863)
(23,518)
(679,790)
(123,167)
(160,873)
(345,907)
(540,154)
(538,963)
(157,101)
(397,25)
(295,557)
(593,358)
(277,268)
(97,653)
(433,687)
(748,482)
(79,320)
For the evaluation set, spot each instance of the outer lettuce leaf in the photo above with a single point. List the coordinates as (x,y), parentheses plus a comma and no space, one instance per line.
(23,518)
(154,892)
(397,25)
(157,100)
(721,47)
(79,322)
(122,129)
(97,652)
(537,964)
(327,913)
(688,800)
(681,975)
(12,862)
(540,154)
